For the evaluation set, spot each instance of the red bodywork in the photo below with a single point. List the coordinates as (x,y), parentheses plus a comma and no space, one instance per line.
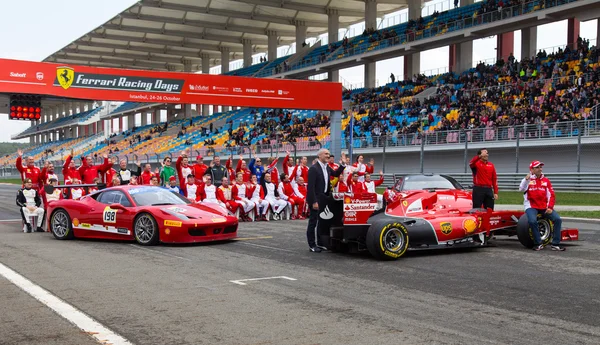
(184,223)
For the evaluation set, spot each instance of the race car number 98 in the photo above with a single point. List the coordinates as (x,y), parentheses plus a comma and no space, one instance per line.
(110,215)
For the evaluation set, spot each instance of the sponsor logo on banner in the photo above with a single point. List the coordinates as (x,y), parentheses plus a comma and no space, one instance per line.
(203,88)
(220,88)
(252,90)
(39,76)
(282,92)
(67,77)
(237,89)
(18,75)
(268,91)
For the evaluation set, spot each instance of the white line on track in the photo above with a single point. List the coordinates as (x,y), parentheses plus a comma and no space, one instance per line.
(267,247)
(10,220)
(242,281)
(159,252)
(88,325)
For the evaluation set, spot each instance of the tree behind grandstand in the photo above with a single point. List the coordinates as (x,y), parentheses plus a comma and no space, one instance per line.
(8,148)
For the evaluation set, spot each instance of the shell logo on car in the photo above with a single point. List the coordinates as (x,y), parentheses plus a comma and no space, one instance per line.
(469,225)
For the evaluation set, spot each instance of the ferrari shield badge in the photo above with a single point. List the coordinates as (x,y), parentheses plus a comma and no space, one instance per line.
(65,76)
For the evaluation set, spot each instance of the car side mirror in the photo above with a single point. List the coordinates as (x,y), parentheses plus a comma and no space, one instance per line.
(118,207)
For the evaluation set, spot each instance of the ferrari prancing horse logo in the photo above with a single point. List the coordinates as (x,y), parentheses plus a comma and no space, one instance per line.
(65,76)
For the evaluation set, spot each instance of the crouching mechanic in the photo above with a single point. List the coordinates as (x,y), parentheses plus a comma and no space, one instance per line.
(29,200)
(539,199)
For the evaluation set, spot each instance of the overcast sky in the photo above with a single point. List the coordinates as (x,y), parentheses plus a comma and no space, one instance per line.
(34,29)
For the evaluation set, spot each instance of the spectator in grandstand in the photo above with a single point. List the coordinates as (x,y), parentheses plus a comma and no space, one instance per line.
(166,171)
(216,171)
(540,199)
(125,174)
(30,171)
(318,191)
(272,196)
(485,181)
(30,202)
(89,171)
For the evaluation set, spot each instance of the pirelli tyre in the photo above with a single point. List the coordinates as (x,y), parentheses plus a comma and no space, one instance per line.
(145,230)
(525,234)
(387,240)
(60,225)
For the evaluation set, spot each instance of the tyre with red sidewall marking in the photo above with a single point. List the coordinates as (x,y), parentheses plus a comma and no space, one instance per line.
(525,235)
(387,240)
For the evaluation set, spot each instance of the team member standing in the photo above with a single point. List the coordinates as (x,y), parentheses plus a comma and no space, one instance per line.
(89,171)
(125,174)
(319,187)
(30,171)
(540,199)
(28,199)
(167,171)
(485,181)
(216,171)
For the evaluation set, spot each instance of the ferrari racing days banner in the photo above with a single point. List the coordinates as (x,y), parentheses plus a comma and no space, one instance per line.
(111,84)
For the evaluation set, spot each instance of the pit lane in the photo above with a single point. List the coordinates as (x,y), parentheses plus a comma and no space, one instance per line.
(184,294)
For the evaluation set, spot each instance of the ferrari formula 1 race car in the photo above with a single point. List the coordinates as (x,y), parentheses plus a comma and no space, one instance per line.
(422,212)
(146,214)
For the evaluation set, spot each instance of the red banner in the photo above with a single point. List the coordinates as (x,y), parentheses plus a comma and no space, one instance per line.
(112,84)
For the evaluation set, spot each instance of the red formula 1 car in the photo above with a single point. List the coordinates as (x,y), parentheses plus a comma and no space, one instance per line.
(145,214)
(423,212)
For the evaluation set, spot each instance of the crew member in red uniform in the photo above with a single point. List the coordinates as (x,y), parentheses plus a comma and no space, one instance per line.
(239,193)
(485,181)
(289,168)
(194,189)
(47,173)
(147,174)
(243,168)
(300,191)
(77,192)
(28,172)
(89,171)
(111,173)
(69,170)
(287,193)
(183,169)
(199,168)
(272,169)
(224,196)
(302,169)
(540,199)
(354,185)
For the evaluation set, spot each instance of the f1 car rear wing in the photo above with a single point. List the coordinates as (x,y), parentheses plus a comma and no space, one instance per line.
(49,189)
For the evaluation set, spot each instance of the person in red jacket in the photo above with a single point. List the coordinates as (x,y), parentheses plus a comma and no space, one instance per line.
(302,169)
(300,192)
(485,181)
(272,169)
(147,174)
(354,185)
(28,172)
(224,196)
(110,174)
(69,170)
(183,169)
(243,168)
(239,193)
(540,199)
(289,168)
(287,193)
(89,171)
(194,189)
(199,168)
(230,171)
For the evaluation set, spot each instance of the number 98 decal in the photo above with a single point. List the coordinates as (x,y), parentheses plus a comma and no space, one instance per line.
(110,215)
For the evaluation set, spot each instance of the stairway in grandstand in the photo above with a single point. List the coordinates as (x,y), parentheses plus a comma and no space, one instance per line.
(423,95)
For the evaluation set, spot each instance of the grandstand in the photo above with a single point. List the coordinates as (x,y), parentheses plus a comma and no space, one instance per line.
(482,104)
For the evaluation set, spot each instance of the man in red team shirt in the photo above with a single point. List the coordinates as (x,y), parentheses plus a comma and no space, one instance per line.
(69,170)
(199,168)
(89,171)
(147,173)
(28,172)
(243,168)
(485,181)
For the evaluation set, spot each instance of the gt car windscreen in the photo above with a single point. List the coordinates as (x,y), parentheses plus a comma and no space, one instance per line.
(149,196)
(423,182)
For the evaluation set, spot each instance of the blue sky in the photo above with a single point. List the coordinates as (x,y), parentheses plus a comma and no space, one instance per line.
(46,26)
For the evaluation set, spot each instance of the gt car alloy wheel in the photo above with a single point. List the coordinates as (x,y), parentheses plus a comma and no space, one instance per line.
(393,240)
(60,224)
(146,230)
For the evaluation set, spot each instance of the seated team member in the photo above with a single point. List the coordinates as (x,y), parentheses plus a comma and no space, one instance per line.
(287,193)
(133,180)
(370,187)
(257,196)
(539,199)
(300,191)
(193,189)
(29,200)
(173,187)
(56,194)
(96,181)
(154,181)
(209,192)
(239,193)
(77,192)
(225,197)
(272,195)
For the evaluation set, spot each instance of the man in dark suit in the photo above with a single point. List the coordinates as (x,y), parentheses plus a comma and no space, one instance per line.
(317,193)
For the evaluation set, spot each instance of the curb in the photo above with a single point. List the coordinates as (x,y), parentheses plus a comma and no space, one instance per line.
(583,220)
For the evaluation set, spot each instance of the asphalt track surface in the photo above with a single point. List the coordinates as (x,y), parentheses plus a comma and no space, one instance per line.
(184,294)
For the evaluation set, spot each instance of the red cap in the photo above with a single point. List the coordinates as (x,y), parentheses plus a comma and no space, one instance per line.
(172,178)
(199,158)
(535,164)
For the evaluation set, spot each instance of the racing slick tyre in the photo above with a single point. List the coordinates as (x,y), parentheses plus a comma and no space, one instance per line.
(60,225)
(387,240)
(525,235)
(145,230)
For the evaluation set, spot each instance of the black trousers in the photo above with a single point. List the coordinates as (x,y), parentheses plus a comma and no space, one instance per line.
(483,197)
(311,230)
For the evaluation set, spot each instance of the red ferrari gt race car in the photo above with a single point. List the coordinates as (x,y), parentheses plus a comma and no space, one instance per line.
(422,212)
(145,214)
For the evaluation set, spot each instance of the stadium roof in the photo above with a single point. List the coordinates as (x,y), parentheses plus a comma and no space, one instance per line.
(160,35)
